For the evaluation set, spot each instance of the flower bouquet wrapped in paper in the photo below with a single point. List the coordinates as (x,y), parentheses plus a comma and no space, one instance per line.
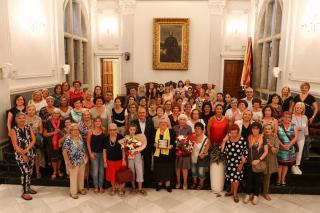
(133,144)
(184,145)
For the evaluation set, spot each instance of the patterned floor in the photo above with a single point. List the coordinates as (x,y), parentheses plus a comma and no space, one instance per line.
(56,199)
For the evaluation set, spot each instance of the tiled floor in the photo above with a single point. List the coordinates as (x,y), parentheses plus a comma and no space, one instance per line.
(56,199)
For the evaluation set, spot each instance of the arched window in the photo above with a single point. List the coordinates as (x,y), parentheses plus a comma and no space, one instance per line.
(76,41)
(267,42)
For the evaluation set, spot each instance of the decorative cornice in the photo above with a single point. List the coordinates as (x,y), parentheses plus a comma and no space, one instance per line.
(216,6)
(127,6)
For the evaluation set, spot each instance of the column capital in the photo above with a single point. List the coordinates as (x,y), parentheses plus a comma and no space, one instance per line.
(216,6)
(127,6)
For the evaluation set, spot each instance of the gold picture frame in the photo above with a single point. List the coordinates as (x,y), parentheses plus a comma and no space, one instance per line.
(170,43)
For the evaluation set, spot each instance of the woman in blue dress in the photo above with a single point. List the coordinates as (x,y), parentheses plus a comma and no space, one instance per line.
(287,135)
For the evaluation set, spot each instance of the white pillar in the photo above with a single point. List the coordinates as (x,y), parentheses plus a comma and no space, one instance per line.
(127,38)
(216,31)
(4,66)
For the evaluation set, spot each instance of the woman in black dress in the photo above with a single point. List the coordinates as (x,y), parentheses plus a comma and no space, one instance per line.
(20,106)
(287,99)
(309,101)
(164,158)
(118,116)
(236,152)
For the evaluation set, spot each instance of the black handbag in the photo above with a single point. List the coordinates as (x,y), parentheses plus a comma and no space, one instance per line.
(203,162)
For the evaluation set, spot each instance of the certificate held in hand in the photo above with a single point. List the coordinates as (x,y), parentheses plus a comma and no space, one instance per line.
(163,144)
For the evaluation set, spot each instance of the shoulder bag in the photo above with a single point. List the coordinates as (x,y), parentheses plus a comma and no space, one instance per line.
(203,162)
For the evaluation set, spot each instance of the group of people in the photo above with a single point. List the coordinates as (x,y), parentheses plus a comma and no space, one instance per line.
(89,131)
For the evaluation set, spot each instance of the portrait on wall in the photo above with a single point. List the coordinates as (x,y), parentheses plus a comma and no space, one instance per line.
(170,43)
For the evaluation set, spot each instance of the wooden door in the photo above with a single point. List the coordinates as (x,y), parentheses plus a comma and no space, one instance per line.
(106,76)
(232,78)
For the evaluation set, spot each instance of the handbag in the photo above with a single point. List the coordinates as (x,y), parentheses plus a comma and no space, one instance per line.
(261,167)
(124,175)
(203,162)
(295,145)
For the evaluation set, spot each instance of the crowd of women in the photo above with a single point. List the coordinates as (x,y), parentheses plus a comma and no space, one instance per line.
(85,131)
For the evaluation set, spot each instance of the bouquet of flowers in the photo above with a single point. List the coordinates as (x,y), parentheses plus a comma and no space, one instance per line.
(184,145)
(130,144)
(216,155)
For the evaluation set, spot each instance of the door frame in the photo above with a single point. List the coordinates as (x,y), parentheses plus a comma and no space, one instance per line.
(226,57)
(97,68)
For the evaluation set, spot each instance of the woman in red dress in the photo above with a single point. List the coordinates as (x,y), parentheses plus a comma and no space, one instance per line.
(217,126)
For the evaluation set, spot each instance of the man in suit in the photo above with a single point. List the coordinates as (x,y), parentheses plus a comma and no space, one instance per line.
(145,125)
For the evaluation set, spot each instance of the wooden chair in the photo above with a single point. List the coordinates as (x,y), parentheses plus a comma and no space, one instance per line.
(130,85)
(148,84)
(171,82)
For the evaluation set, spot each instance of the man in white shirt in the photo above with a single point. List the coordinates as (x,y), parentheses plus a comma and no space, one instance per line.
(249,97)
(108,101)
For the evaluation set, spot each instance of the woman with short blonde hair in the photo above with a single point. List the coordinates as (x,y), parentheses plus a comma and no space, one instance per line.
(75,156)
(301,124)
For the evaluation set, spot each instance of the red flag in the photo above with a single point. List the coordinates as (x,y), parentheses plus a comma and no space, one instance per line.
(247,66)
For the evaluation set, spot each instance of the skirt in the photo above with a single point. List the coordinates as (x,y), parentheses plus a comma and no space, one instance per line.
(112,168)
(183,162)
(163,171)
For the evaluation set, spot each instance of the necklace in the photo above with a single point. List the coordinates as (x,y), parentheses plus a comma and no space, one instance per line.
(112,143)
(219,118)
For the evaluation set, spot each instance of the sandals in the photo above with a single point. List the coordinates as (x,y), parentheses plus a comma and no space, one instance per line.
(54,176)
(121,193)
(31,191)
(228,194)
(74,196)
(200,187)
(236,199)
(102,190)
(112,192)
(283,184)
(83,192)
(61,174)
(96,190)
(26,196)
(193,186)
(142,192)
(178,186)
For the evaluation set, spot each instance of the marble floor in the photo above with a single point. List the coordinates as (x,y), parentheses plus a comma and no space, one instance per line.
(56,199)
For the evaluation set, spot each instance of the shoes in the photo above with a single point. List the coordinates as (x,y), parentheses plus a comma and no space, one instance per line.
(185,187)
(177,185)
(102,190)
(31,191)
(158,187)
(26,196)
(246,199)
(283,184)
(236,199)
(228,194)
(96,190)
(295,170)
(112,192)
(299,172)
(83,192)
(255,200)
(267,197)
(168,188)
(121,193)
(194,186)
(142,192)
(74,196)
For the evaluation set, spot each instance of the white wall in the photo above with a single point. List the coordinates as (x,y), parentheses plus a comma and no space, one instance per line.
(300,47)
(198,13)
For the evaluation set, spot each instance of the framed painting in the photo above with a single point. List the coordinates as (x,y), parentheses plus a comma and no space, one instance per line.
(170,43)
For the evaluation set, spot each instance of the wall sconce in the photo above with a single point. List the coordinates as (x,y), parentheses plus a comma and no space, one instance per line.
(276,71)
(127,56)
(311,23)
(66,69)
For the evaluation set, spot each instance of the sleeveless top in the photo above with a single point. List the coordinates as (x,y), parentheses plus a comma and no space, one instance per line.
(218,130)
(119,118)
(23,140)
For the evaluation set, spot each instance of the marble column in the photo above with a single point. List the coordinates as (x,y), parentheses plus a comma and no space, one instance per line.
(216,21)
(127,8)
(5,70)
